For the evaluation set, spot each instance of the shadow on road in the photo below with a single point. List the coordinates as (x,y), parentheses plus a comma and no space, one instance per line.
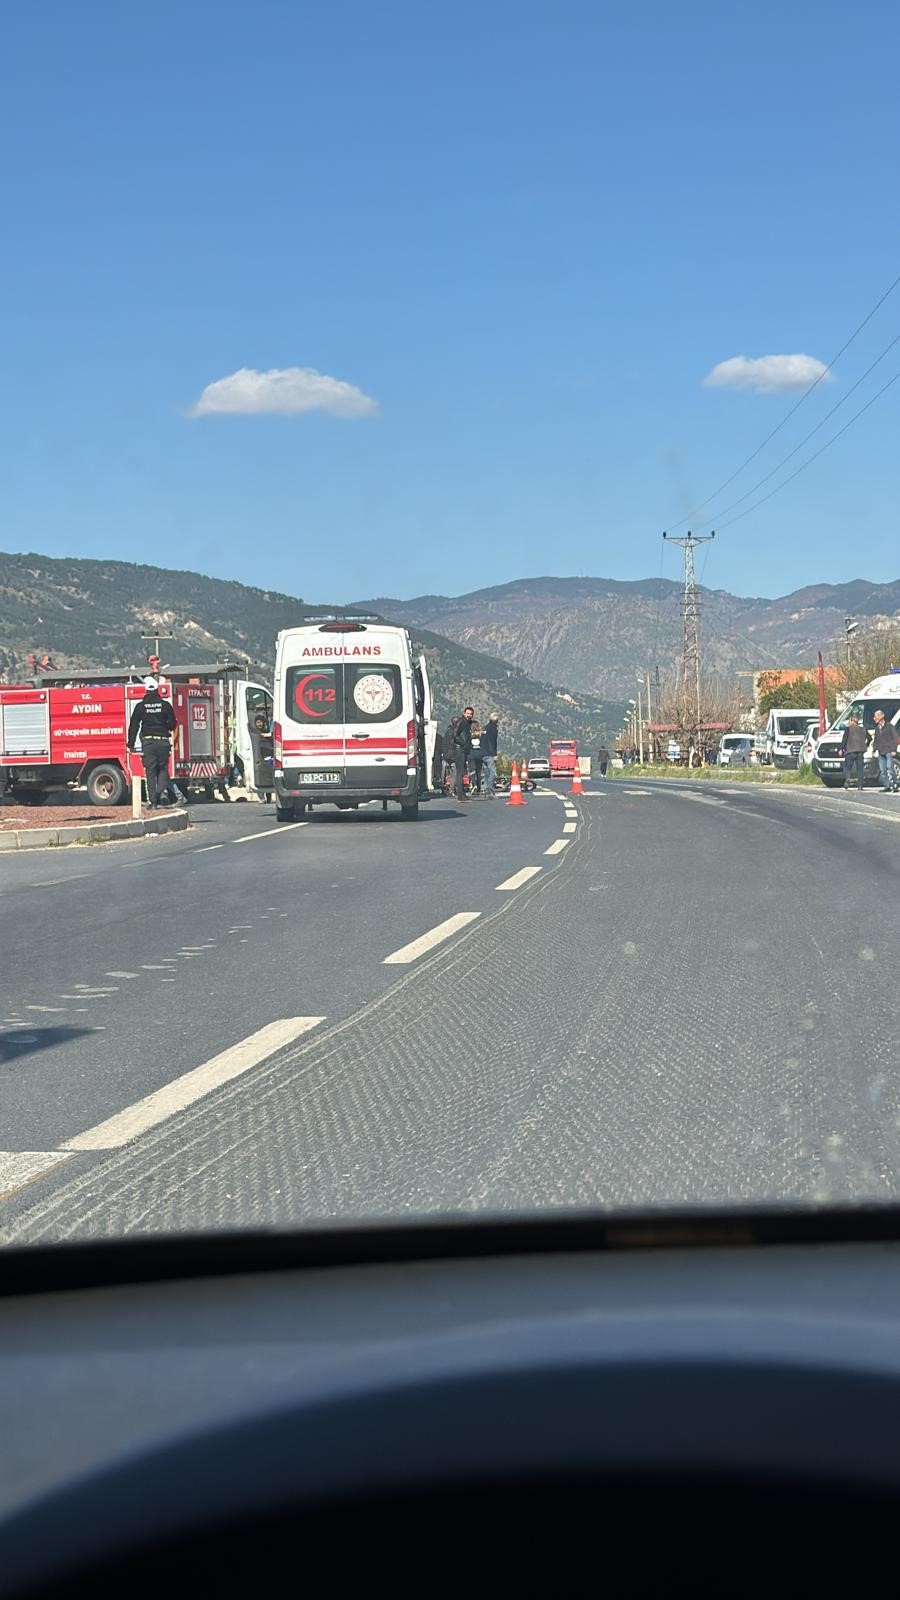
(376,818)
(24,1041)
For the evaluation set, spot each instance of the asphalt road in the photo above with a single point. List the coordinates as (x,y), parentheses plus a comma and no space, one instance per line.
(689,1000)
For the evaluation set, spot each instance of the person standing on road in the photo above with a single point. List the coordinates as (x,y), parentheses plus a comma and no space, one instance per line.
(489,751)
(884,743)
(154,721)
(462,744)
(855,740)
(447,743)
(476,759)
(603,760)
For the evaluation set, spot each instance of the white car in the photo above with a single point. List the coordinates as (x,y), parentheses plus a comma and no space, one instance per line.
(808,748)
(539,767)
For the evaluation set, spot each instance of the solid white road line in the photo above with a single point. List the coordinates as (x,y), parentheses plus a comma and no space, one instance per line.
(569,827)
(283,827)
(20,1166)
(518,878)
(556,846)
(192,1086)
(419,947)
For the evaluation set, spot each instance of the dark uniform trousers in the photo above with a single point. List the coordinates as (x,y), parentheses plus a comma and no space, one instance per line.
(155,756)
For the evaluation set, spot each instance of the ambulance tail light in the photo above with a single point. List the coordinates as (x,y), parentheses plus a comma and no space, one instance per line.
(276,746)
(410,744)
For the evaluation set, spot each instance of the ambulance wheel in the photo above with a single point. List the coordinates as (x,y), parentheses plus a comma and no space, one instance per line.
(106,786)
(409,813)
(284,813)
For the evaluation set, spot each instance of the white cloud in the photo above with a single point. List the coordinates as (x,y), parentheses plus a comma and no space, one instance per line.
(284,390)
(767,374)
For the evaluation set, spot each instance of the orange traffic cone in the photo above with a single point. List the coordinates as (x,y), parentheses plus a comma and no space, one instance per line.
(577,785)
(515,789)
(524,774)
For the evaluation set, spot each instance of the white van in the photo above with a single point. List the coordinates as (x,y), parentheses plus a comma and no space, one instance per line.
(882,694)
(785,733)
(353,717)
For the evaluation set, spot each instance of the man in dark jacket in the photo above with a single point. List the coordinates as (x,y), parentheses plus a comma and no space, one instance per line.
(855,740)
(603,760)
(154,720)
(884,743)
(462,744)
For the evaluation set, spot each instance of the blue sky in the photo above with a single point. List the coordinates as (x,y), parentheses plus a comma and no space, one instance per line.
(525,232)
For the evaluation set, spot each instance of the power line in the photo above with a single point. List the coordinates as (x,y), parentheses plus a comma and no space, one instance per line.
(794,408)
(812,432)
(815,456)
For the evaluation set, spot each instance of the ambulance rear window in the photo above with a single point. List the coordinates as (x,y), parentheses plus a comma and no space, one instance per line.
(372,694)
(312,694)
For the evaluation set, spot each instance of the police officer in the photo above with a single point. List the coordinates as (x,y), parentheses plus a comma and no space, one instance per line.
(154,719)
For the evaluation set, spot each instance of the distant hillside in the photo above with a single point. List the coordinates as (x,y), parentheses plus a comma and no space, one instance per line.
(92,613)
(598,634)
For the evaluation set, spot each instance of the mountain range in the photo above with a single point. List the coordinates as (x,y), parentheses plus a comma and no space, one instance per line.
(558,657)
(93,614)
(598,635)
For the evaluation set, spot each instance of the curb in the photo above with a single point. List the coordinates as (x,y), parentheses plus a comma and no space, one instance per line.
(92,832)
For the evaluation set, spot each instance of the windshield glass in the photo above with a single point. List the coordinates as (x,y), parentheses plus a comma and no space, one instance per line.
(864,711)
(788,726)
(448,454)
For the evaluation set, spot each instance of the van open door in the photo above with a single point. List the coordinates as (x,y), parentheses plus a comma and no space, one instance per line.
(426,730)
(253,734)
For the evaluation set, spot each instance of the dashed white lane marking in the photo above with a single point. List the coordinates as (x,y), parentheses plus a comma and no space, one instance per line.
(45,1008)
(51,883)
(283,827)
(205,847)
(192,1086)
(419,947)
(701,799)
(241,927)
(556,846)
(518,878)
(18,1167)
(569,827)
(153,966)
(120,974)
(638,791)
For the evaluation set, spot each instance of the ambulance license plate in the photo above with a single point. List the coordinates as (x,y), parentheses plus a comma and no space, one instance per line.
(321,777)
(831,763)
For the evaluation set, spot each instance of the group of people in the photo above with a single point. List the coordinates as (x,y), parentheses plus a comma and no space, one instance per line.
(884,745)
(467,748)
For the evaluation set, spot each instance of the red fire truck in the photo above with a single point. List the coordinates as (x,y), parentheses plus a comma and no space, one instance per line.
(65,730)
(563,755)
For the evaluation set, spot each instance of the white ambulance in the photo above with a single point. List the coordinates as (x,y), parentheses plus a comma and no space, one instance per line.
(882,694)
(353,718)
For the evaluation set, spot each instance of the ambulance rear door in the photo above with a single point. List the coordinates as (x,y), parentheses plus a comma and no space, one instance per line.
(379,710)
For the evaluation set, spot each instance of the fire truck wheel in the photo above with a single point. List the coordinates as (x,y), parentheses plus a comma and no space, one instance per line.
(106,786)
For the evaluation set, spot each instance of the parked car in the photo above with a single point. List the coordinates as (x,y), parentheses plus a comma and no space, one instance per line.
(808,748)
(538,767)
(734,750)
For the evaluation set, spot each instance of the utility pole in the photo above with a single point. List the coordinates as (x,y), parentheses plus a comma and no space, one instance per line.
(689,674)
(850,627)
(640,716)
(155,638)
(650,754)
